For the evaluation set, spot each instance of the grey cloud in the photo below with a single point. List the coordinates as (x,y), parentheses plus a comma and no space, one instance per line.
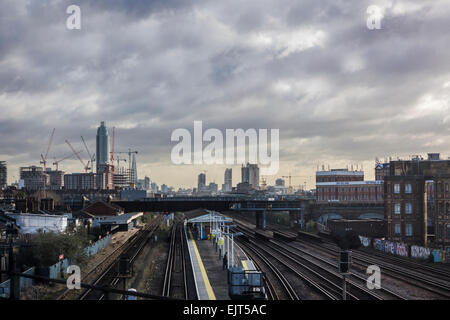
(155,66)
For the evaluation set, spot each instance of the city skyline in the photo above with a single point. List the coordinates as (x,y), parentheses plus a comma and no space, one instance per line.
(340,93)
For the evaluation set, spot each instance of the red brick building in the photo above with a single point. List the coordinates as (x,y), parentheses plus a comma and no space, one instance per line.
(417,201)
(341,185)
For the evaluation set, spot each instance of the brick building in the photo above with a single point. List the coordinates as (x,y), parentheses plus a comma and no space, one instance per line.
(341,185)
(417,201)
(381,170)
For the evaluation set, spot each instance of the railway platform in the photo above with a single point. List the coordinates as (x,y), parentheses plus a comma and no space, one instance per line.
(210,278)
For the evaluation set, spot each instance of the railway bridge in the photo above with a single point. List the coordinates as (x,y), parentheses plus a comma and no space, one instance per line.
(298,208)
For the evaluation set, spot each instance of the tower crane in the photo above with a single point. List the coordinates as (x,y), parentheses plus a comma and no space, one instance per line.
(86,166)
(44,162)
(263,183)
(44,158)
(290,190)
(129,152)
(91,157)
(56,163)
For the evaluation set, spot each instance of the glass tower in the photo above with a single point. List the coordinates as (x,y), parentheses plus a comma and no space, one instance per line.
(102,148)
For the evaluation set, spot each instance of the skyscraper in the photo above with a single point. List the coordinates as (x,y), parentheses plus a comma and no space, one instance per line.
(201,182)
(228,180)
(3,174)
(102,147)
(250,174)
(134,170)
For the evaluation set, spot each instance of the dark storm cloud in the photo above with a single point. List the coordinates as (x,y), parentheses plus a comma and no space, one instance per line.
(335,89)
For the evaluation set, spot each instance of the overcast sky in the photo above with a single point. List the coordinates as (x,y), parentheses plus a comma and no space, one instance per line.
(340,93)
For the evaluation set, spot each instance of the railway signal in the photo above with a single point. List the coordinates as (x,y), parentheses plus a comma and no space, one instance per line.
(345,260)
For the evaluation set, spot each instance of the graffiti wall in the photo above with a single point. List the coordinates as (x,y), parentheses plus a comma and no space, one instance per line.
(438,255)
(420,252)
(364,241)
(396,248)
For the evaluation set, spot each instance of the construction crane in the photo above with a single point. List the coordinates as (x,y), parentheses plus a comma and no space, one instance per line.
(44,158)
(91,157)
(290,190)
(129,152)
(263,183)
(118,159)
(112,145)
(86,166)
(56,163)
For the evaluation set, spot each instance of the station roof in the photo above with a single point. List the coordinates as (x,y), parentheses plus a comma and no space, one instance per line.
(209,217)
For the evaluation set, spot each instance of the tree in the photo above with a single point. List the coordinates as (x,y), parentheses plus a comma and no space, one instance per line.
(44,248)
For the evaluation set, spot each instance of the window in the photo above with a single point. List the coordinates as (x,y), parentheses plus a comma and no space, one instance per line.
(446,187)
(408,208)
(447,231)
(441,208)
(397,229)
(447,208)
(408,230)
(396,188)
(408,188)
(397,208)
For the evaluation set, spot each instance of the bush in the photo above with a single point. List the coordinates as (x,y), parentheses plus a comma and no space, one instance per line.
(43,249)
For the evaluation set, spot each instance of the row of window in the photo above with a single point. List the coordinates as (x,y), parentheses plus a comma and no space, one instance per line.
(408,208)
(441,187)
(441,231)
(408,229)
(351,197)
(351,189)
(408,188)
(441,208)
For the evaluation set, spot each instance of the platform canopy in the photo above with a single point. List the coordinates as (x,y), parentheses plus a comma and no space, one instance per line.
(210,217)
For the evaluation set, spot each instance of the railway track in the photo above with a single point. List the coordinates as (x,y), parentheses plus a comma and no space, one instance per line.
(110,277)
(324,272)
(283,289)
(272,294)
(355,280)
(397,271)
(433,279)
(307,276)
(175,277)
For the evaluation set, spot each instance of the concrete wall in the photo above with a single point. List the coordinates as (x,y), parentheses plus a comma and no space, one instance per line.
(31,223)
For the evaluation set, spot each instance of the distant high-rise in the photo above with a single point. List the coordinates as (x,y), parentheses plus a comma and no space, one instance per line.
(33,177)
(201,182)
(102,147)
(250,174)
(279,182)
(134,170)
(3,174)
(228,180)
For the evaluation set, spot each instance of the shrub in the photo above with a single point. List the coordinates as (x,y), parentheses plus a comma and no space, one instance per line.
(43,249)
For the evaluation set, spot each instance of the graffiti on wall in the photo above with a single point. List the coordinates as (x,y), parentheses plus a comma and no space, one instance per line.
(364,241)
(396,248)
(420,252)
(438,255)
